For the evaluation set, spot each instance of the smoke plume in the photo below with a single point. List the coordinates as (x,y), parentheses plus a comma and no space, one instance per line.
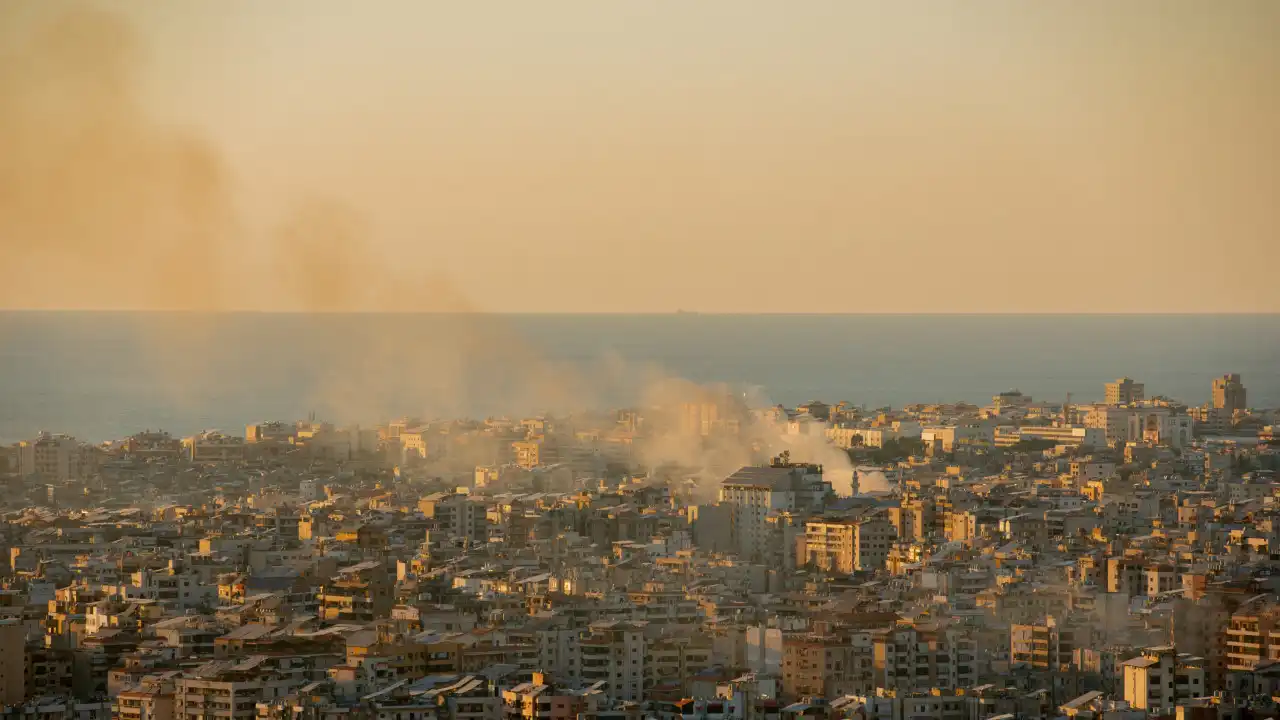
(131,213)
(711,431)
(872,480)
(136,214)
(139,215)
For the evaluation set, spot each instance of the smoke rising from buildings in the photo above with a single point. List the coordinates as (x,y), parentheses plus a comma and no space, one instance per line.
(137,214)
(872,480)
(132,214)
(711,431)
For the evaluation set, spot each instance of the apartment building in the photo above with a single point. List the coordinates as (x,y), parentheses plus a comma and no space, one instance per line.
(173,585)
(872,437)
(558,650)
(1050,645)
(271,432)
(947,437)
(153,444)
(543,699)
(13,661)
(1087,469)
(1253,635)
(932,705)
(1124,391)
(1068,435)
(535,452)
(614,653)
(52,458)
(677,660)
(827,665)
(918,657)
(914,518)
(755,492)
(225,689)
(1159,678)
(359,593)
(1156,424)
(847,545)
(212,446)
(1161,579)
(1126,575)
(153,698)
(1229,393)
(456,517)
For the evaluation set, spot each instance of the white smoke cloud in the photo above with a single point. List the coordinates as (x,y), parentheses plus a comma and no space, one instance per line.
(872,479)
(812,446)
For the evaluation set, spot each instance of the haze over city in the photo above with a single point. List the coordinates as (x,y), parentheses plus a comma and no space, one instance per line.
(641,157)
(623,360)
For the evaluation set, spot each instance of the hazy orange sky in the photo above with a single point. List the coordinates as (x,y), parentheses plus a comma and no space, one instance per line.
(632,156)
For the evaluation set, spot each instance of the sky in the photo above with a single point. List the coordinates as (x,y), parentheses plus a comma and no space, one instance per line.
(833,156)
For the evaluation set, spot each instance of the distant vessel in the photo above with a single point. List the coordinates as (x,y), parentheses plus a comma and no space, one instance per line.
(686,312)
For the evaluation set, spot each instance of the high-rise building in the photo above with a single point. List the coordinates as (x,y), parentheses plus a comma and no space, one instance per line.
(1229,393)
(755,492)
(1124,391)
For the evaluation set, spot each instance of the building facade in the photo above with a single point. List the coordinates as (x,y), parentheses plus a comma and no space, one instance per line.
(1125,391)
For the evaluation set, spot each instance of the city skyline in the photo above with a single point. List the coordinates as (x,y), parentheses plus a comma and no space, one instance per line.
(639,360)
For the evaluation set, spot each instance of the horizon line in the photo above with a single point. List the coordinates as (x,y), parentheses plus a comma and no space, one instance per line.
(634,313)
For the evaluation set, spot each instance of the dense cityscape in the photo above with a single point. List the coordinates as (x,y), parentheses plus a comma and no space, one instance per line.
(704,560)
(633,360)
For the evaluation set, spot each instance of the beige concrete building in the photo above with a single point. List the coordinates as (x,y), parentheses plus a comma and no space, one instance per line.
(540,699)
(1253,636)
(1124,391)
(1069,435)
(1159,678)
(54,458)
(755,492)
(1229,393)
(923,656)
(533,452)
(1156,424)
(1050,645)
(847,545)
(219,689)
(456,517)
(152,699)
(614,653)
(213,446)
(359,593)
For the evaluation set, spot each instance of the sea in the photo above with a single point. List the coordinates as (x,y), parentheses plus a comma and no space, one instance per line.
(106,375)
